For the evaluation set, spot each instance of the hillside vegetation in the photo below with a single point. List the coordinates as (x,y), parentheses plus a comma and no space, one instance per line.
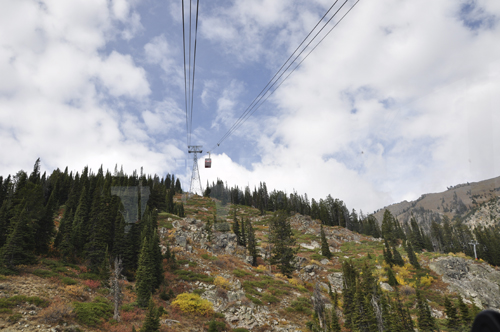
(89,252)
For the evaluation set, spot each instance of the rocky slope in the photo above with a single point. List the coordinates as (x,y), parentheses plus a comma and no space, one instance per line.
(460,200)
(212,265)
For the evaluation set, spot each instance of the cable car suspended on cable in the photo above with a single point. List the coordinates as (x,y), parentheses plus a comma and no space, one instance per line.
(208,161)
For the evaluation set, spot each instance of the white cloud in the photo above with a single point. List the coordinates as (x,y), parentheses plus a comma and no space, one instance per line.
(61,98)
(393,104)
(120,76)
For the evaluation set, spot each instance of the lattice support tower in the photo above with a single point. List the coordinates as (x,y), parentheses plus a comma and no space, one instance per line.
(195,177)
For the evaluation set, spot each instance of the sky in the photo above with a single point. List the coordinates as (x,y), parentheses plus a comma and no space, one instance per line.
(400,99)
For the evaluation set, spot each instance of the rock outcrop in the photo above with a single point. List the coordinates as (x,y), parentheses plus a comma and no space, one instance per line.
(477,282)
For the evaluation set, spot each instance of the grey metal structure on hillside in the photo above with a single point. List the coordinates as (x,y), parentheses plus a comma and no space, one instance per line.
(195,177)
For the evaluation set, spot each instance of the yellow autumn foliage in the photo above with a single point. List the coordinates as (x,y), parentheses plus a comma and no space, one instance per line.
(400,280)
(222,282)
(280,276)
(260,268)
(193,303)
(294,282)
(426,281)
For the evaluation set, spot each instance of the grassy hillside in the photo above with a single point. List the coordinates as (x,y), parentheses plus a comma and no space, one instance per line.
(227,293)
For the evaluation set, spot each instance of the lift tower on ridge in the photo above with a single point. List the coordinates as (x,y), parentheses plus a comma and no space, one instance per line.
(195,177)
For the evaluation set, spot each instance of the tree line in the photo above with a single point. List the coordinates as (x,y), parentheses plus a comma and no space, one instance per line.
(99,214)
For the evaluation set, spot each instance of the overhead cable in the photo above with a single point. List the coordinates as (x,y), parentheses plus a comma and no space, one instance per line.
(261,97)
(189,65)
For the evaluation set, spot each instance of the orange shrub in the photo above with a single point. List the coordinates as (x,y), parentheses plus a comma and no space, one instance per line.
(76,291)
(56,311)
(92,284)
(132,316)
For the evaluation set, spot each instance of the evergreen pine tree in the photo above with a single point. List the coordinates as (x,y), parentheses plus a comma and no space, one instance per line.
(79,228)
(152,319)
(157,260)
(387,254)
(392,279)
(65,245)
(208,230)
(325,248)
(172,262)
(330,293)
(5,219)
(335,324)
(105,269)
(236,228)
(244,232)
(119,235)
(397,259)
(100,223)
(145,275)
(412,257)
(167,254)
(425,320)
(388,227)
(132,249)
(212,326)
(281,238)
(45,229)
(402,321)
(451,312)
(252,243)
(415,236)
(348,293)
(465,318)
(18,248)
(388,318)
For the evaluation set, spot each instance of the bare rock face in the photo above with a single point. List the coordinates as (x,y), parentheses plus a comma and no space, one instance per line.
(385,286)
(336,279)
(478,282)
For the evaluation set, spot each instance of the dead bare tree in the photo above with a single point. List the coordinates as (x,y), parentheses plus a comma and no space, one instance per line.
(319,305)
(116,281)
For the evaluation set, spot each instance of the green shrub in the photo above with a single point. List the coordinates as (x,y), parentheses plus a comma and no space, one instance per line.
(11,302)
(52,263)
(88,275)
(165,296)
(317,257)
(302,304)
(7,272)
(15,318)
(185,261)
(5,311)
(214,325)
(68,281)
(222,227)
(73,266)
(240,273)
(254,299)
(208,257)
(60,269)
(193,276)
(92,313)
(129,306)
(198,291)
(269,298)
(45,273)
(240,329)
